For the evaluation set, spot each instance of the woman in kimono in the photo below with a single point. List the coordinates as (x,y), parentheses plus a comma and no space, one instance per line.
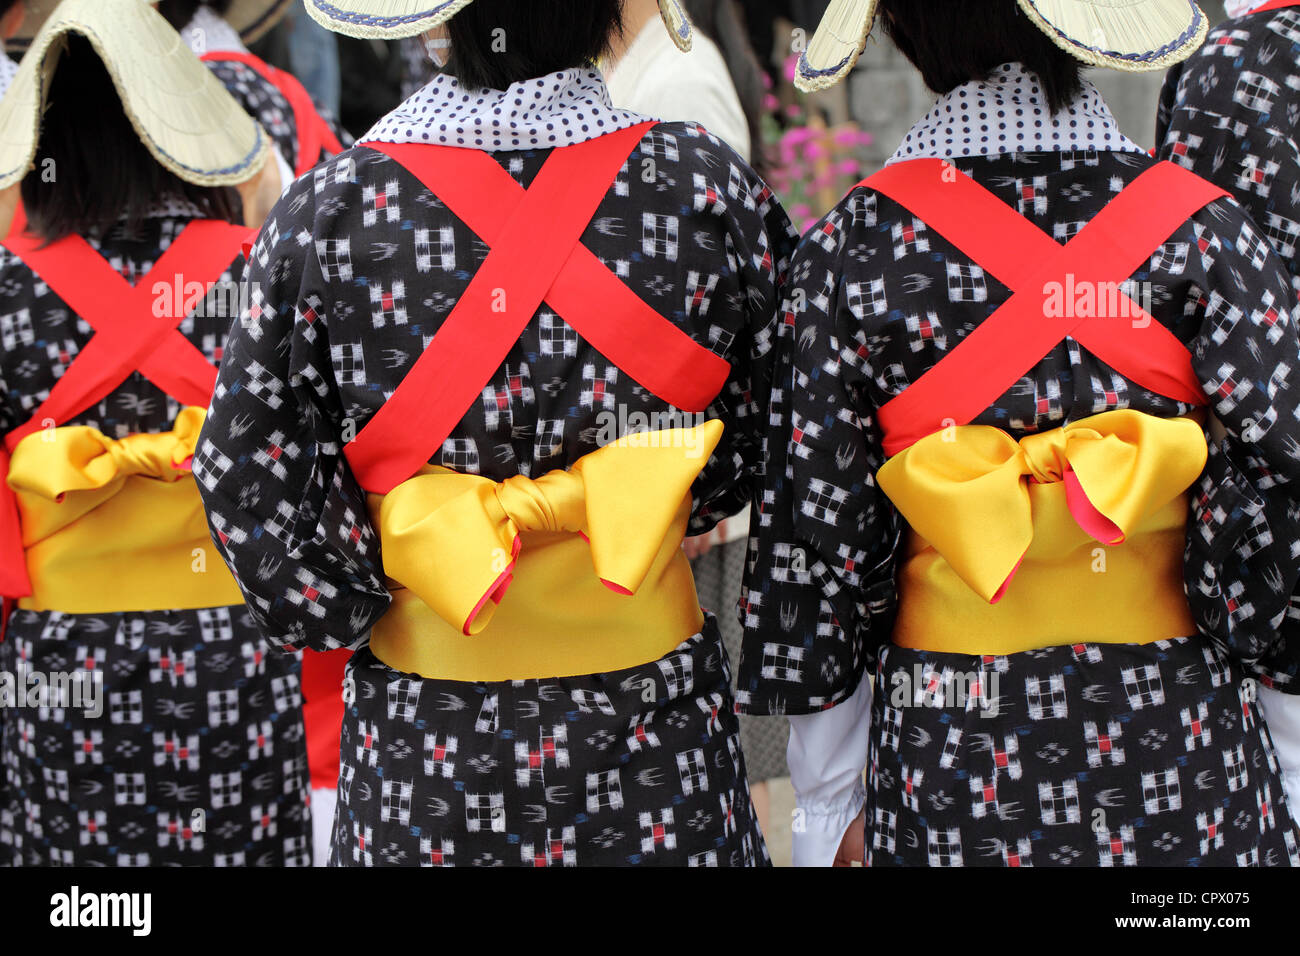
(218,32)
(153,727)
(990,483)
(501,358)
(1229,114)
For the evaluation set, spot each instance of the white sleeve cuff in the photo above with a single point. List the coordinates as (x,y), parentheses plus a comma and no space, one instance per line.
(287,176)
(1282,714)
(827,755)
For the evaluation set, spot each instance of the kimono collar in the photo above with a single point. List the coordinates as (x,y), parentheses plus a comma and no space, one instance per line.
(207,32)
(560,109)
(7,70)
(1008,113)
(1239,8)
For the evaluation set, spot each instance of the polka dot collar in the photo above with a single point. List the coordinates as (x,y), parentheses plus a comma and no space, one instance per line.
(1008,113)
(7,70)
(560,109)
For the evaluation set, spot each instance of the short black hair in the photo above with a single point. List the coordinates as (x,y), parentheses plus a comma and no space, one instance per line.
(495,43)
(955,41)
(180,12)
(103,176)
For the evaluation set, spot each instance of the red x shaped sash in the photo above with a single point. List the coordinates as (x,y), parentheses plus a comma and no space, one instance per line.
(1019,334)
(135,329)
(135,326)
(537,255)
(314,133)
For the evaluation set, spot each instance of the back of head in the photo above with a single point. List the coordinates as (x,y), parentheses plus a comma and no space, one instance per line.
(496,43)
(92,171)
(955,41)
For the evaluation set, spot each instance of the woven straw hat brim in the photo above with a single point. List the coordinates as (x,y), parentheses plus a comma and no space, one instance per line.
(178,108)
(250,18)
(394,19)
(1129,35)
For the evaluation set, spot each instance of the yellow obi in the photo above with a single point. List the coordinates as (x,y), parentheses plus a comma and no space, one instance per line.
(591,559)
(1070,536)
(116,525)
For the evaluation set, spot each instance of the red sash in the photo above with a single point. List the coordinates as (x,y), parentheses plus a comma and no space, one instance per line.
(537,255)
(1018,335)
(314,133)
(131,336)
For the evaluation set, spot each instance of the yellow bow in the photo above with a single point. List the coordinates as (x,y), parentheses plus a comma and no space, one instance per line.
(966,490)
(48,465)
(453,539)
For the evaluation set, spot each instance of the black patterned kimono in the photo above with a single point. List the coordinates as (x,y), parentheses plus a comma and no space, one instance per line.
(263,101)
(198,756)
(357,267)
(1230,114)
(1095,754)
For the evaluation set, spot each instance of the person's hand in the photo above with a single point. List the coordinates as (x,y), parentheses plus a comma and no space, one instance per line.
(853,845)
(260,194)
(702,544)
(9,200)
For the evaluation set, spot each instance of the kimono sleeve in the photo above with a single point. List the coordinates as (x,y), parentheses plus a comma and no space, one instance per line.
(1243,546)
(283,507)
(747,235)
(819,590)
(1204,125)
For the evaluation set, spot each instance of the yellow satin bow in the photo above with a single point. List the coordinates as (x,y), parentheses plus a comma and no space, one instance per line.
(966,490)
(52,464)
(453,539)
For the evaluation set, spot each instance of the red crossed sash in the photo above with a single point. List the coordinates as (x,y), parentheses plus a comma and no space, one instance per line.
(129,336)
(537,255)
(1016,337)
(314,133)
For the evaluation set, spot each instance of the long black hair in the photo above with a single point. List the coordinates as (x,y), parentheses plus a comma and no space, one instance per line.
(955,41)
(92,171)
(723,22)
(495,43)
(180,12)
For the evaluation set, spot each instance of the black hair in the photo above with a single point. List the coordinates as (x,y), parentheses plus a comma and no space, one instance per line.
(955,41)
(722,21)
(7,5)
(92,171)
(180,12)
(495,43)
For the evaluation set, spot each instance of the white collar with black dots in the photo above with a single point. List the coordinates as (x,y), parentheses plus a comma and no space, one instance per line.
(7,70)
(559,109)
(1008,113)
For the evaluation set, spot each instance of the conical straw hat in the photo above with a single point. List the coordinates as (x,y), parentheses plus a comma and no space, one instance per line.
(1129,35)
(392,19)
(179,109)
